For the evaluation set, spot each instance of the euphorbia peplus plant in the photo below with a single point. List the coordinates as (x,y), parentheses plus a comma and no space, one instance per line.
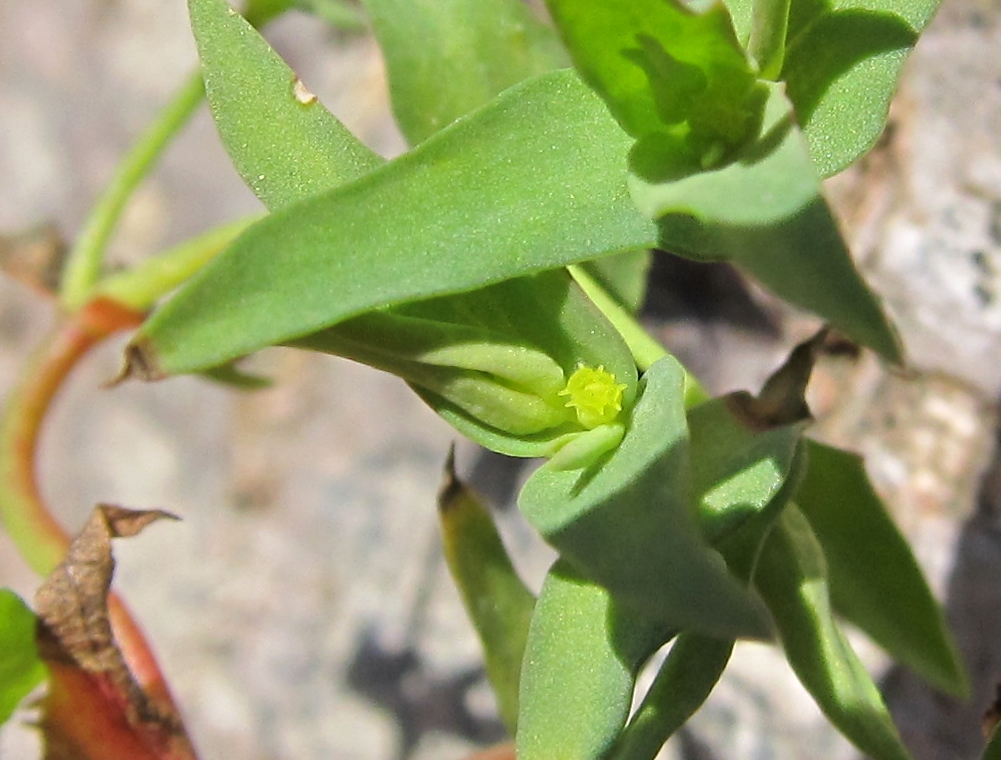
(496,267)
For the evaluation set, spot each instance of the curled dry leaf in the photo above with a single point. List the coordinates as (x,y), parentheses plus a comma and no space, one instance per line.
(782,400)
(35,257)
(94,707)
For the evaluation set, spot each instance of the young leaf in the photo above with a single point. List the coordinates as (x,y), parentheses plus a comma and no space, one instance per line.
(843,62)
(771,179)
(676,80)
(582,657)
(791,576)
(445,58)
(496,599)
(765,213)
(283,142)
(629,519)
(545,170)
(875,581)
(21,670)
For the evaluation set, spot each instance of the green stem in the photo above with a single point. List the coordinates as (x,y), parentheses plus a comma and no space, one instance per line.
(83,265)
(38,536)
(140,287)
(645,349)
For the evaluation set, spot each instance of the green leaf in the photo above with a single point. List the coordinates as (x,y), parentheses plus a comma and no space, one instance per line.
(21,669)
(843,62)
(629,519)
(342,15)
(736,472)
(583,653)
(842,66)
(742,16)
(771,179)
(696,662)
(670,76)
(804,260)
(545,166)
(445,58)
(791,576)
(259,12)
(283,142)
(497,601)
(875,580)
(687,677)
(765,213)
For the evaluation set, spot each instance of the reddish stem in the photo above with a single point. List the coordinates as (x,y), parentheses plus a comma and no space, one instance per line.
(39,537)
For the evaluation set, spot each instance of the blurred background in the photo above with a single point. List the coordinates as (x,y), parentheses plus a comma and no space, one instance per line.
(301,609)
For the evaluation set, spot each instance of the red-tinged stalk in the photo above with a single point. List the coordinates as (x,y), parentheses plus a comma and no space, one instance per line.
(38,536)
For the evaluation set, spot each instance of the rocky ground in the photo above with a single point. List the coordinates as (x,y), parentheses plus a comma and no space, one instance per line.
(301,609)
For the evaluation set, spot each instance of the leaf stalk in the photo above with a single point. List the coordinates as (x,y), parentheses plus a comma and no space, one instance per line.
(86,257)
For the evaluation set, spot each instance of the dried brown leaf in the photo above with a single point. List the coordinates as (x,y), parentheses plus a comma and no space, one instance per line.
(35,257)
(782,400)
(94,707)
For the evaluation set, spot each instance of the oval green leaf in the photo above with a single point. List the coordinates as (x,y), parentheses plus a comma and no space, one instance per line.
(581,661)
(281,139)
(542,173)
(771,179)
(876,582)
(842,66)
(445,58)
(791,576)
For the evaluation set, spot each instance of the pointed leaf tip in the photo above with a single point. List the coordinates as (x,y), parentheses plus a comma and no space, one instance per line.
(451,488)
(139,362)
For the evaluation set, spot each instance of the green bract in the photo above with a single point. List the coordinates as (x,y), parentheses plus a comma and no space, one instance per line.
(501,362)
(676,80)
(632,519)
